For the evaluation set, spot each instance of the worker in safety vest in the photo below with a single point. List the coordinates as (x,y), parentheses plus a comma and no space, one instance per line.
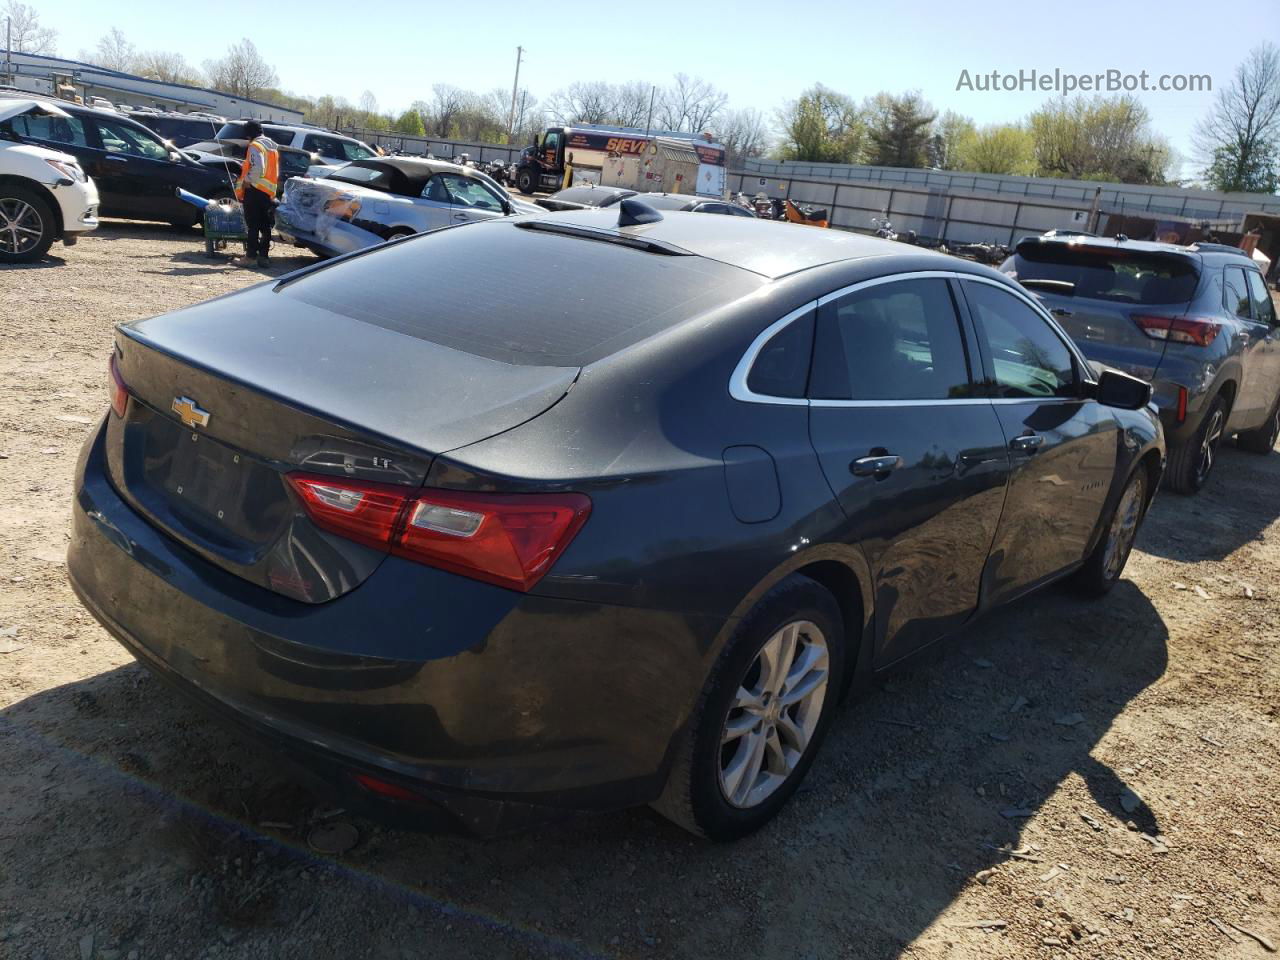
(256,189)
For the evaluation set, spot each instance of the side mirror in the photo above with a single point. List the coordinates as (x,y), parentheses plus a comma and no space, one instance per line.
(1116,389)
(175,157)
(507,208)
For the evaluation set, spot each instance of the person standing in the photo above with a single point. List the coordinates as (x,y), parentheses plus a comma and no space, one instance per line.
(256,190)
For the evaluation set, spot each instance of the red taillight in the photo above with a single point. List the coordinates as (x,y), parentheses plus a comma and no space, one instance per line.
(1197,330)
(392,791)
(367,513)
(507,539)
(119,392)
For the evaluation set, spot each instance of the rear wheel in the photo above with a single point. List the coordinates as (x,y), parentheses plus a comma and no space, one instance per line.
(762,715)
(527,181)
(1103,568)
(1190,463)
(27,225)
(1263,440)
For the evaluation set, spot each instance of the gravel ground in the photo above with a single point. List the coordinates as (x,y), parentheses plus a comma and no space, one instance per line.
(1064,779)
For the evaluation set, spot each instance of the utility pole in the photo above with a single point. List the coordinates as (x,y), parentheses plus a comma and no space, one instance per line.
(8,49)
(648,124)
(511,117)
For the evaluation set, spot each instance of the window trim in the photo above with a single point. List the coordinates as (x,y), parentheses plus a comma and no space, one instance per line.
(738,380)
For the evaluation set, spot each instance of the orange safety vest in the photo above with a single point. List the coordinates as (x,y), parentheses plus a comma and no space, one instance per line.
(269,164)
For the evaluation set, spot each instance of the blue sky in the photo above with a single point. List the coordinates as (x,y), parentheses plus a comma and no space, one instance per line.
(760,53)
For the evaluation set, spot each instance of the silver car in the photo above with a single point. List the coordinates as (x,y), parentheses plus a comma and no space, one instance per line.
(1198,322)
(370,201)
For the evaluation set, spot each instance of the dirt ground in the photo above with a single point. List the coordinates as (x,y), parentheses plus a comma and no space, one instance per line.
(1065,779)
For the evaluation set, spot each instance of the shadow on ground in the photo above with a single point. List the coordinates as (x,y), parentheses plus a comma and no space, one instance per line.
(161,827)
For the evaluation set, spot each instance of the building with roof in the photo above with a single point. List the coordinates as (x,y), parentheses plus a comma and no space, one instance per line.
(55,76)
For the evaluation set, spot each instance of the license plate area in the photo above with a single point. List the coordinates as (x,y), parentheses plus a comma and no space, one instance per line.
(224,495)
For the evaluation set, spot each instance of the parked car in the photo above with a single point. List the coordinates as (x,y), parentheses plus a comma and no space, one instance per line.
(368,201)
(551,513)
(692,204)
(583,197)
(328,148)
(1197,322)
(225,156)
(136,172)
(180,129)
(44,194)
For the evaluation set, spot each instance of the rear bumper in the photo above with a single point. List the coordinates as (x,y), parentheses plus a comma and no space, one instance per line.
(499,708)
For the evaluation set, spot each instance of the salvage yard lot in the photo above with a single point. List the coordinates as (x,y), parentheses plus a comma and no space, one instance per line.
(1064,778)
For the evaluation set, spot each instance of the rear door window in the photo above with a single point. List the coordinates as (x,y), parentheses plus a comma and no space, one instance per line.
(133,141)
(468,192)
(1264,308)
(1119,275)
(891,341)
(1235,293)
(1027,357)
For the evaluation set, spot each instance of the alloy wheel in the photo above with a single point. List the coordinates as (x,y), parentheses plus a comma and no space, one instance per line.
(1124,528)
(1209,445)
(773,717)
(20,226)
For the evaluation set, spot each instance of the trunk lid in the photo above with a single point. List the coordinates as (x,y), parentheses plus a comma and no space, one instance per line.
(230,395)
(1095,291)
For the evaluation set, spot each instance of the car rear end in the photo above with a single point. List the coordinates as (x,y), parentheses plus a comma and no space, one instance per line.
(1132,307)
(264,518)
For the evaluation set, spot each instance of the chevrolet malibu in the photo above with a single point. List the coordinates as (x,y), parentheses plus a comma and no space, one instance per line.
(592,509)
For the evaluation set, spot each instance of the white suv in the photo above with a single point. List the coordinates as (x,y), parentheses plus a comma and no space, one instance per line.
(329,149)
(44,195)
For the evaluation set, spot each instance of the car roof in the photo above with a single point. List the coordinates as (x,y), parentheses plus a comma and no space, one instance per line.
(418,167)
(769,248)
(1108,243)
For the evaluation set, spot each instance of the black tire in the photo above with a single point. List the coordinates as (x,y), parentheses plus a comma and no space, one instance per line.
(1263,440)
(1102,570)
(30,212)
(400,232)
(1188,470)
(694,797)
(527,181)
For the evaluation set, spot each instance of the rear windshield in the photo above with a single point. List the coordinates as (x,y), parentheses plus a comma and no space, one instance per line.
(170,127)
(1123,276)
(592,196)
(521,296)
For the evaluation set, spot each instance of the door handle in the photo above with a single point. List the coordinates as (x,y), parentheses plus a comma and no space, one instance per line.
(459,216)
(116,159)
(1027,443)
(1060,312)
(877,467)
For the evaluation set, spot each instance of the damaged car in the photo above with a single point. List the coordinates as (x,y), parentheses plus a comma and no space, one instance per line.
(370,201)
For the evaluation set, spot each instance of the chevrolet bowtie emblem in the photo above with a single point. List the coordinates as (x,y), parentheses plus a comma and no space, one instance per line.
(189,413)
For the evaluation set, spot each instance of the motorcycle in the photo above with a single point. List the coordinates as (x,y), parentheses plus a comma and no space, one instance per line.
(883,228)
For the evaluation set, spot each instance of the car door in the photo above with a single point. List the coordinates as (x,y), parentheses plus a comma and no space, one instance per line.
(143,174)
(915,457)
(436,204)
(1267,360)
(1253,400)
(1062,444)
(470,199)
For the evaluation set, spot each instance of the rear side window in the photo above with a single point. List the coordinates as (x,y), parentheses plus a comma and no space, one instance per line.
(1120,275)
(1264,308)
(1235,293)
(892,341)
(557,301)
(781,368)
(68,130)
(1028,359)
(280,135)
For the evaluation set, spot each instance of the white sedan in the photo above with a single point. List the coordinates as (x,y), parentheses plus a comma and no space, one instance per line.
(369,201)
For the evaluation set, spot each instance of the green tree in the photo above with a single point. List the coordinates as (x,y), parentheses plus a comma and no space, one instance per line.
(410,124)
(1239,141)
(998,148)
(1103,138)
(899,129)
(822,126)
(950,130)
